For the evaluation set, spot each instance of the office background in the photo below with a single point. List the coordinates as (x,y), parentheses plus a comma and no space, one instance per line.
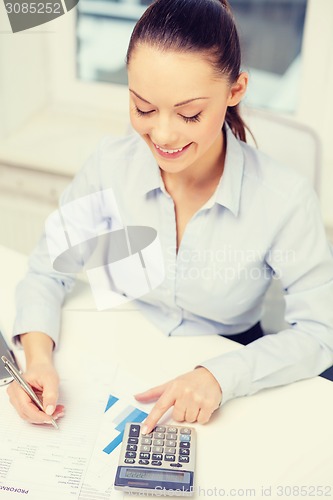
(63,87)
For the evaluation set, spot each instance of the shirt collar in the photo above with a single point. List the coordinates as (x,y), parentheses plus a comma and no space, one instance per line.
(228,190)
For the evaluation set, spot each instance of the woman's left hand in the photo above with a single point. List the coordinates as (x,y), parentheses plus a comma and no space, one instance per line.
(194,396)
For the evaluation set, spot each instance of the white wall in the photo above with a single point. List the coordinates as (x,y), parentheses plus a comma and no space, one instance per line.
(23,76)
(316,100)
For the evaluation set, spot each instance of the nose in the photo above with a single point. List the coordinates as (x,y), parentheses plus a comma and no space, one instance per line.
(164,133)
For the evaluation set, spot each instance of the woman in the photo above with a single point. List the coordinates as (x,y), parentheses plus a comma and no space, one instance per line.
(228,219)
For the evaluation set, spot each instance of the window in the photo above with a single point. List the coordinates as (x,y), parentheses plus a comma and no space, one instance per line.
(104,28)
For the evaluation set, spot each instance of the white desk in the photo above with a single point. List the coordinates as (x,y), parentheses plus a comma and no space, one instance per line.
(277,438)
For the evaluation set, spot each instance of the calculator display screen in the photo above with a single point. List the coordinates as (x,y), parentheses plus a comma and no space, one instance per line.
(155,475)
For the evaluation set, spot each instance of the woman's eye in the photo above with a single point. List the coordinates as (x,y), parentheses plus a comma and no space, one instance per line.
(142,113)
(187,119)
(195,118)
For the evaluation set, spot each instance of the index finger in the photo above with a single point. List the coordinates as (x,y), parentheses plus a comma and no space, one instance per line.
(160,408)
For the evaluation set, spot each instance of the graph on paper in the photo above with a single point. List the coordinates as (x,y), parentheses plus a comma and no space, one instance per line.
(118,412)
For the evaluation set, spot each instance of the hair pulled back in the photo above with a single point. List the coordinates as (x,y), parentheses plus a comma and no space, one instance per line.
(205,26)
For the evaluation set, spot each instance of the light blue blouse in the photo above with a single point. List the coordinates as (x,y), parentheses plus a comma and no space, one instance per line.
(262,222)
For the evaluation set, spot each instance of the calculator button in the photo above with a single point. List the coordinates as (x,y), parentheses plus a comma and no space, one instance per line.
(171,451)
(131,447)
(176,465)
(129,461)
(185,444)
(145,440)
(169,458)
(184,451)
(185,430)
(144,462)
(173,430)
(158,442)
(159,435)
(145,447)
(182,458)
(171,437)
(157,449)
(134,430)
(156,462)
(133,440)
(144,455)
(159,429)
(157,456)
(130,454)
(170,443)
(184,437)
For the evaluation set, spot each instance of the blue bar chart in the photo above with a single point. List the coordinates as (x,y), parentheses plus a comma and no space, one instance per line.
(119,414)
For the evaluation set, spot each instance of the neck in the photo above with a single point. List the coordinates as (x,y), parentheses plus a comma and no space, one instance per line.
(200,175)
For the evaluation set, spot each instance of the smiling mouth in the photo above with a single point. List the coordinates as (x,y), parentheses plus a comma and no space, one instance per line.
(171,152)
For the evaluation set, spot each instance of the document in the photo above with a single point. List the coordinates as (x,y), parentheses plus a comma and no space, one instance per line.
(40,462)
(120,407)
(79,460)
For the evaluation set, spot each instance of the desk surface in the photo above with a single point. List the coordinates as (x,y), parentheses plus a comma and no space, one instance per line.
(275,439)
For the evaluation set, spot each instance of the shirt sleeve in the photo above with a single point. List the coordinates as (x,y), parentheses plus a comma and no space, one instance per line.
(40,295)
(302,258)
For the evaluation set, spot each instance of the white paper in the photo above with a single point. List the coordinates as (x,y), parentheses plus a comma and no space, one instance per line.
(103,466)
(68,463)
(47,463)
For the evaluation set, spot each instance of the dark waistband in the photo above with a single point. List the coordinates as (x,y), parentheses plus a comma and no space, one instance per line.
(253,333)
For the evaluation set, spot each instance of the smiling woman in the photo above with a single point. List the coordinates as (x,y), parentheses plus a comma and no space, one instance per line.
(182,128)
(224,214)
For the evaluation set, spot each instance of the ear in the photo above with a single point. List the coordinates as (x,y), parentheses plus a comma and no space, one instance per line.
(238,89)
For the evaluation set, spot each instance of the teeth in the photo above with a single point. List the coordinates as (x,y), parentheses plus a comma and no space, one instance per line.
(170,151)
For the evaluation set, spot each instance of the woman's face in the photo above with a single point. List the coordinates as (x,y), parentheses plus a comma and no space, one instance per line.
(178,106)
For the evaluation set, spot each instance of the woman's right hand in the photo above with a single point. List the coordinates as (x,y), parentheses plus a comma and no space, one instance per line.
(43,378)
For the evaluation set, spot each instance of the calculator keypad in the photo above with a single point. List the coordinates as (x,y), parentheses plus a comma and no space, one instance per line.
(166,445)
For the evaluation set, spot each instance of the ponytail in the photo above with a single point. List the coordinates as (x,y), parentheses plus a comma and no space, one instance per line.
(236,122)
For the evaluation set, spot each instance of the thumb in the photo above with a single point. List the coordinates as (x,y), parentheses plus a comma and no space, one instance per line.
(151,394)
(50,394)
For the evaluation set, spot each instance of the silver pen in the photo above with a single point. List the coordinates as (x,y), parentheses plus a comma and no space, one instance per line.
(25,386)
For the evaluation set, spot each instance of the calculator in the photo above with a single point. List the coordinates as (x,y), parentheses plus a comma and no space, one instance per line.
(161,462)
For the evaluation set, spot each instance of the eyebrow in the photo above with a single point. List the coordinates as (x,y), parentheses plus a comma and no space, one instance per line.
(176,105)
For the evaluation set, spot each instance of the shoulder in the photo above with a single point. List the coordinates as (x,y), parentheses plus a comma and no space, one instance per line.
(273,194)
(271,179)
(113,161)
(115,157)
(124,148)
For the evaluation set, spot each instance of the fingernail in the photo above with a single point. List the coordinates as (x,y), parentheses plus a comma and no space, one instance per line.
(49,410)
(59,415)
(145,429)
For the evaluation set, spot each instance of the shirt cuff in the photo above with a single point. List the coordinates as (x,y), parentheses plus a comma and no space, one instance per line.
(232,373)
(30,319)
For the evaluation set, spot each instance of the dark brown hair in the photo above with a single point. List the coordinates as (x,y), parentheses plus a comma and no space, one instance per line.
(205,26)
